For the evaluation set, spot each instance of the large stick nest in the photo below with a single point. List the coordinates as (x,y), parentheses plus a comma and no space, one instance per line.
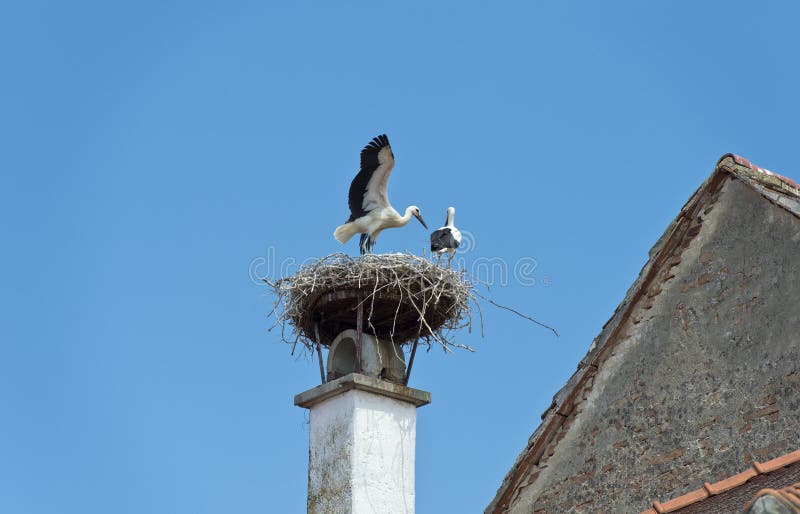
(403,297)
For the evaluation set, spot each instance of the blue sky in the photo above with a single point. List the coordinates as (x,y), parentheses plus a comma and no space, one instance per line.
(152,152)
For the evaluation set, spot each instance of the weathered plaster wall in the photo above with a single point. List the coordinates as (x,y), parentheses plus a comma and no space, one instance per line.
(705,376)
(361,454)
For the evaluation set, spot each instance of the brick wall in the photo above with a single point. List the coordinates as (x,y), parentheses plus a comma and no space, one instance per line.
(703,379)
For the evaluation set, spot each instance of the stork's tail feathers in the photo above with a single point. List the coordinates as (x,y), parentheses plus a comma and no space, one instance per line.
(343,233)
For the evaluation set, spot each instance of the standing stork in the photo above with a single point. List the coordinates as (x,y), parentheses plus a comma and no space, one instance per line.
(370,210)
(447,238)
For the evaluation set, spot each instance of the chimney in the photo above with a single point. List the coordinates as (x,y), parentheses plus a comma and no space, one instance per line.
(363,418)
(362,433)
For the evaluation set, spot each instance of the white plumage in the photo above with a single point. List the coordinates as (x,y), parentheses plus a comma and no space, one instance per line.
(370,210)
(447,238)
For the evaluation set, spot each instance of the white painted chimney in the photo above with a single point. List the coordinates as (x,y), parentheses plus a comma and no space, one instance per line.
(362,442)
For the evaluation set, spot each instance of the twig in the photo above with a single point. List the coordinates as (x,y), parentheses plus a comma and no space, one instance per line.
(319,353)
(411,360)
(518,313)
(359,333)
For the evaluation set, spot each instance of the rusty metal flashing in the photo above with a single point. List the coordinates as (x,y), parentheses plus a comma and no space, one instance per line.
(671,242)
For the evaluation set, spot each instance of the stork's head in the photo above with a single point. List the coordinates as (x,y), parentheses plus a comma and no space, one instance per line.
(414,210)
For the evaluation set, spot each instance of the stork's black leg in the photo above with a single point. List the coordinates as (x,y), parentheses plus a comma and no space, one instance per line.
(362,245)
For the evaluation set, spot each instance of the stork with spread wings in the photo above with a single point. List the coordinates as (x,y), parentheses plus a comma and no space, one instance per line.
(370,210)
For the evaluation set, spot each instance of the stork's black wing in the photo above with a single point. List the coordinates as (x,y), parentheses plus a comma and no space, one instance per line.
(368,188)
(443,239)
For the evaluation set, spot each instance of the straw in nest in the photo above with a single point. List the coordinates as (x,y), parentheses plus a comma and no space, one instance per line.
(404,298)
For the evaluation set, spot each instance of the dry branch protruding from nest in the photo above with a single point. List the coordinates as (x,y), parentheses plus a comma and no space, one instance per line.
(404,298)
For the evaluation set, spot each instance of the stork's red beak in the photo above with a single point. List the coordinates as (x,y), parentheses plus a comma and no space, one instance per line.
(419,217)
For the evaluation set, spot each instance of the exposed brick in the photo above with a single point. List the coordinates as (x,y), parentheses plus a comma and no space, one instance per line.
(583,477)
(770,399)
(793,376)
(674,454)
(708,423)
(760,413)
(770,450)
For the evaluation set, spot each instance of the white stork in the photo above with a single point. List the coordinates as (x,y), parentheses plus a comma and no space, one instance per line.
(447,238)
(370,210)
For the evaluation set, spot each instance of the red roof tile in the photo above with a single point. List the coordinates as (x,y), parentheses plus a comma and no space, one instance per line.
(730,482)
(681,501)
(744,162)
(743,168)
(709,490)
(779,462)
(788,496)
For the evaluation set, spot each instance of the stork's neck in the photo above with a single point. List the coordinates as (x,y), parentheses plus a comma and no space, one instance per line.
(405,218)
(451,215)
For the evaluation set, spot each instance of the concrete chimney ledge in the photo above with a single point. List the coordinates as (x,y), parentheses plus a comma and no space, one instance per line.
(309,398)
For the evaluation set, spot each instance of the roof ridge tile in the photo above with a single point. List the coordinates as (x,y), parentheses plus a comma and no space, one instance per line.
(726,484)
(780,462)
(761,175)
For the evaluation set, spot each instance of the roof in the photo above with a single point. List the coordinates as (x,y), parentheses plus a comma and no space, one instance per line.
(787,498)
(699,498)
(775,188)
(764,181)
